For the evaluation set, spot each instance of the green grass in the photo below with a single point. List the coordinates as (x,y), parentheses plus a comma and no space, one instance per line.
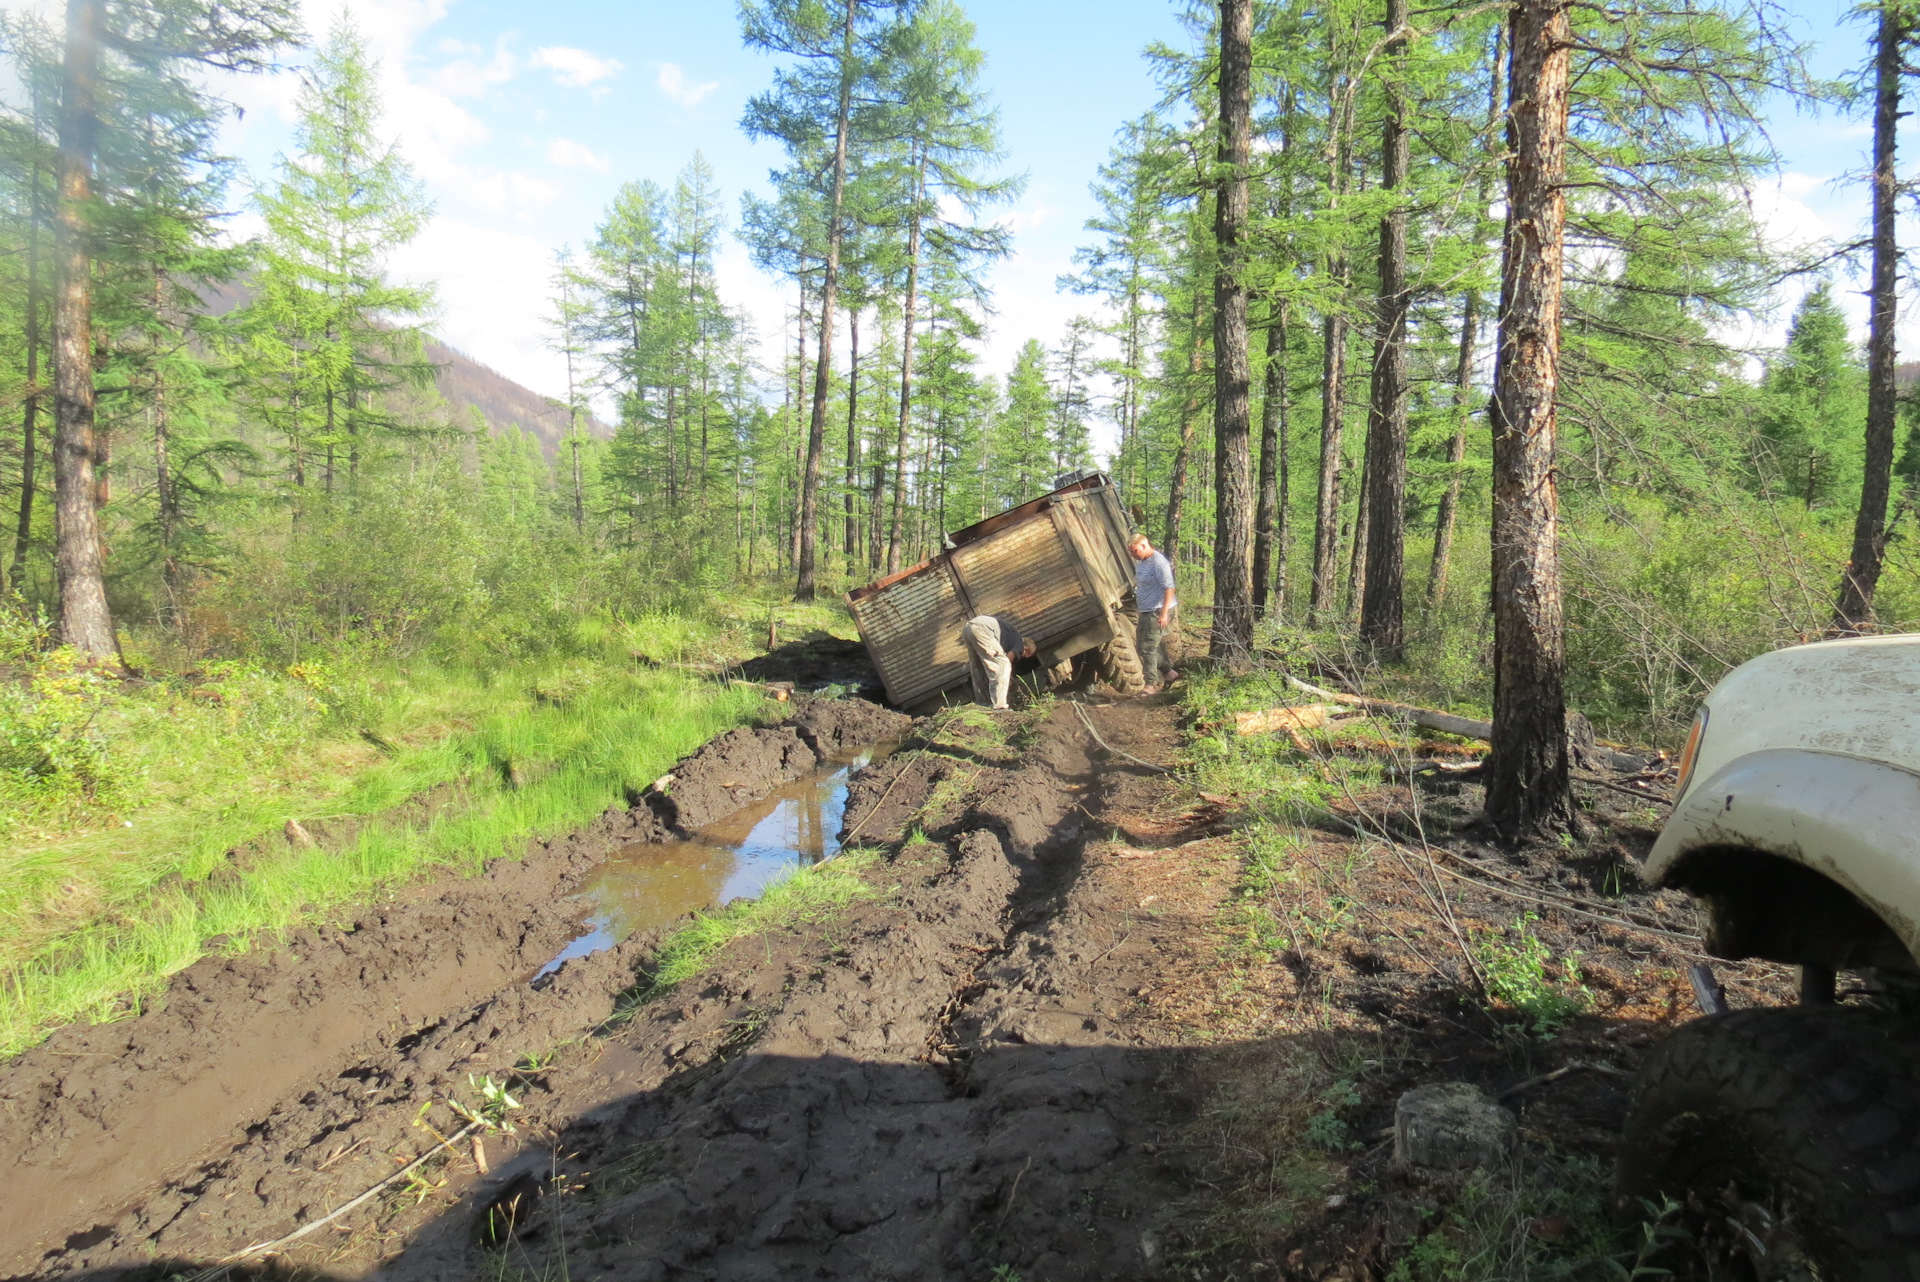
(611,736)
(807,897)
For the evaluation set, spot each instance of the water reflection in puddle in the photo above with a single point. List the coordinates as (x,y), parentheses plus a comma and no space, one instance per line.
(644,885)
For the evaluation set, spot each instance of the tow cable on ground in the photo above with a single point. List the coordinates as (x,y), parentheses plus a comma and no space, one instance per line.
(1085,721)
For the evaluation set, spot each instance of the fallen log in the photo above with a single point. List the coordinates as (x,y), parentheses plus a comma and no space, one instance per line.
(1465,727)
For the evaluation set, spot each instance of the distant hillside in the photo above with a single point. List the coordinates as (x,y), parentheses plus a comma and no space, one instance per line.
(465,384)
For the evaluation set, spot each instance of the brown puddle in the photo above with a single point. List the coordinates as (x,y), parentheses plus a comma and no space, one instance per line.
(645,885)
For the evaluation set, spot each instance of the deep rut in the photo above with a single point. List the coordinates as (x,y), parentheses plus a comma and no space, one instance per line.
(943,1079)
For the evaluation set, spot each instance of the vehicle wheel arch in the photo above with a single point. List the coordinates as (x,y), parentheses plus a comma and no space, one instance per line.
(1757,903)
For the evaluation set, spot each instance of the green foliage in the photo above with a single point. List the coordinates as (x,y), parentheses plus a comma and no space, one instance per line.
(99,910)
(1518,975)
(805,897)
(1489,1231)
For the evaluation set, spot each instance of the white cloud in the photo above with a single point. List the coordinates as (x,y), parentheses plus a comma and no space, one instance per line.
(674,84)
(492,290)
(466,77)
(565,153)
(575,68)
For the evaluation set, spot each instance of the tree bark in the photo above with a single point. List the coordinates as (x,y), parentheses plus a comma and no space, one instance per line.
(1326,517)
(1362,523)
(1270,521)
(85,622)
(1527,782)
(1326,514)
(1232,411)
(1456,451)
(853,443)
(1448,516)
(30,402)
(1853,612)
(804,586)
(1382,600)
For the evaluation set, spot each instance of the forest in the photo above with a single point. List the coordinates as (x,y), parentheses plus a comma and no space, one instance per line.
(1412,338)
(1453,355)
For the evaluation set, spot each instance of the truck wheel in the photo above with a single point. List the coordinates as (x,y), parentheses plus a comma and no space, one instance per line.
(1790,1139)
(1119,663)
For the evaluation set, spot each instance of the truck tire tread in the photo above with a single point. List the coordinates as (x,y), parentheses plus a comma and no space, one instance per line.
(1818,1107)
(1119,663)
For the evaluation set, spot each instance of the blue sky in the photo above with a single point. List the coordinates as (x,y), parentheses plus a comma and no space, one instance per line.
(522,120)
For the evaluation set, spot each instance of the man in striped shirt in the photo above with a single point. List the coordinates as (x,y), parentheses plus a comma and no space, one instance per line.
(1153,592)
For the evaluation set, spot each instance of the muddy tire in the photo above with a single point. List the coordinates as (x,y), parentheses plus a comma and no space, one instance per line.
(1118,662)
(1791,1140)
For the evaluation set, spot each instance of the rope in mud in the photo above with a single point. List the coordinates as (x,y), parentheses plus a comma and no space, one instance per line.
(261,1248)
(1085,721)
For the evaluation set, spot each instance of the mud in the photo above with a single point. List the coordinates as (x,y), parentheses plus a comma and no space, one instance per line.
(208,1118)
(1034,1047)
(816,662)
(647,885)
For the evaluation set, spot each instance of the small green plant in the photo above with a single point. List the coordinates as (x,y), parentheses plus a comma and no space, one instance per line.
(493,1113)
(1005,1273)
(1327,1130)
(1517,977)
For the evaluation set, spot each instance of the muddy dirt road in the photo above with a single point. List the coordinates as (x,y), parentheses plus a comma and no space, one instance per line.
(1041,1043)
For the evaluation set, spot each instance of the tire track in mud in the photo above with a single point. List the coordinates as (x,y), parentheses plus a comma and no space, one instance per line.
(265,1088)
(945,1085)
(947,1077)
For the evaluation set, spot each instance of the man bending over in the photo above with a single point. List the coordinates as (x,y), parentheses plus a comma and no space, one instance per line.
(992,645)
(1153,593)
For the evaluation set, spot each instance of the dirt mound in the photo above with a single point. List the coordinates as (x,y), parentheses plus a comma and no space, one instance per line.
(746,764)
(815,663)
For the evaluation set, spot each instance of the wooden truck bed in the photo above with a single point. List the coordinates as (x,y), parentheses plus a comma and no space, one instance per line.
(1057,566)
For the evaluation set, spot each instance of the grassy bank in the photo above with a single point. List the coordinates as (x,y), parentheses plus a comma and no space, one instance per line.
(156,815)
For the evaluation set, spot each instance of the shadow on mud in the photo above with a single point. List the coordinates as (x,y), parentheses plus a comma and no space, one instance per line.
(1051,1161)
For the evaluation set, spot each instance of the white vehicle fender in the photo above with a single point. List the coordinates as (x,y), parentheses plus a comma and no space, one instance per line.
(1853,821)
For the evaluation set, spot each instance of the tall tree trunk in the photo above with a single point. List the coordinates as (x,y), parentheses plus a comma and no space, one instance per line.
(1382,602)
(1448,516)
(1362,527)
(1321,601)
(853,441)
(1183,454)
(1527,783)
(85,622)
(30,408)
(1854,610)
(908,307)
(1270,521)
(1456,450)
(1232,412)
(1326,512)
(673,454)
(804,586)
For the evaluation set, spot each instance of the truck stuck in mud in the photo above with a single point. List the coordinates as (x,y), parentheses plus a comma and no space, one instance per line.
(1058,566)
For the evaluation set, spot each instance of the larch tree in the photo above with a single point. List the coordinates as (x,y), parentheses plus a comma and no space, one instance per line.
(1382,606)
(1853,611)
(1232,637)
(569,326)
(943,135)
(835,43)
(157,37)
(1528,787)
(329,333)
